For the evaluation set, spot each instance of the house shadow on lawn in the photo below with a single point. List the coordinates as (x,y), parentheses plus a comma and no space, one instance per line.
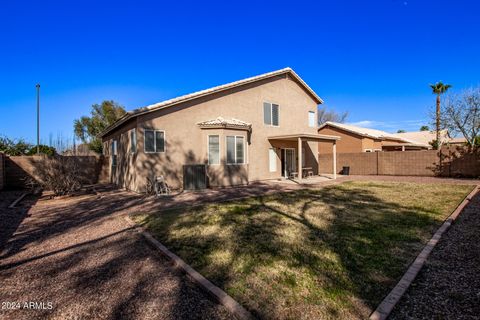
(333,252)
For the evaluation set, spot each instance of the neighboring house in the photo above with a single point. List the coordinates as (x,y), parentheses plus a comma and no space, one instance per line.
(428,136)
(258,128)
(357,139)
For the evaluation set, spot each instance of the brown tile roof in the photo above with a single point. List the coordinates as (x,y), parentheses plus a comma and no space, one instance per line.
(224,123)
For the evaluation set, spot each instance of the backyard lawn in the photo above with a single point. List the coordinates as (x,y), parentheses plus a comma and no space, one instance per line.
(312,254)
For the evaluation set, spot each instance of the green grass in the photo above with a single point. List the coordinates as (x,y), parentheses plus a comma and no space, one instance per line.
(312,254)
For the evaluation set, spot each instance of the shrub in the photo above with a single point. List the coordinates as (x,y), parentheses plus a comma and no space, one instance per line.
(59,174)
(44,149)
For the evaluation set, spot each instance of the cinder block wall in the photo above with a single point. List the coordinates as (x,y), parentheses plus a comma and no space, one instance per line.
(362,163)
(18,168)
(2,171)
(407,163)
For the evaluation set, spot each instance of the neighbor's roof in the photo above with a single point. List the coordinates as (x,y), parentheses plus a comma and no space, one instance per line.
(457,140)
(224,123)
(202,93)
(424,136)
(372,133)
(366,132)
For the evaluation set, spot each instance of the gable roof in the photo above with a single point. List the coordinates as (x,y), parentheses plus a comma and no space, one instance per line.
(207,92)
(361,131)
(424,136)
(372,133)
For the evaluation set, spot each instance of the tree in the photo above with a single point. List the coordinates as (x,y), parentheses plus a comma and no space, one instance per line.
(102,115)
(461,115)
(325,115)
(424,128)
(13,147)
(439,88)
(401,131)
(44,149)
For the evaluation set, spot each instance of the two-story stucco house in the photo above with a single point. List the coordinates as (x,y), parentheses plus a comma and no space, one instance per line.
(259,128)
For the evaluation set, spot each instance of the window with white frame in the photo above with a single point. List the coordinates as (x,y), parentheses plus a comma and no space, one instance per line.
(214,149)
(270,114)
(272,159)
(154,141)
(368,150)
(311,119)
(235,150)
(114,152)
(133,141)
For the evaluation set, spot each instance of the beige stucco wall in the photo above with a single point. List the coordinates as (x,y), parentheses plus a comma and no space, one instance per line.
(348,142)
(186,142)
(371,144)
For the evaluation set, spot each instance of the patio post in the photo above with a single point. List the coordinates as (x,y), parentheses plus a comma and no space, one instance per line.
(334,159)
(300,169)
(403,148)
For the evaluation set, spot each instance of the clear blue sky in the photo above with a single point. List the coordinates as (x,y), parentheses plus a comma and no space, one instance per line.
(374,59)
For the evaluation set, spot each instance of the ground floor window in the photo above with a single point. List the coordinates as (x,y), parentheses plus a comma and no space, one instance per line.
(133,141)
(235,150)
(272,158)
(114,153)
(213,149)
(154,141)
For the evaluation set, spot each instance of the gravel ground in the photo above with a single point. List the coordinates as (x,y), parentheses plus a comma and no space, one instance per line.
(448,286)
(77,259)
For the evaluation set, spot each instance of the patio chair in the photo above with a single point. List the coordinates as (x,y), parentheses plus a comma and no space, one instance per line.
(161,187)
(293,175)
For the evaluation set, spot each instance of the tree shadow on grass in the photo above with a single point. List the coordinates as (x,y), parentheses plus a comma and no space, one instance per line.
(352,250)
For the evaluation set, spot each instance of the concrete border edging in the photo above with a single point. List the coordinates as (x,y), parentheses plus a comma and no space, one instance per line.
(14,203)
(221,296)
(390,301)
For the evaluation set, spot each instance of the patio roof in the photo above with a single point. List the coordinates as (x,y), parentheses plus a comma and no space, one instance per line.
(305,136)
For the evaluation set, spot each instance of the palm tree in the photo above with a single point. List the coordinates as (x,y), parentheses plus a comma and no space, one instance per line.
(438,89)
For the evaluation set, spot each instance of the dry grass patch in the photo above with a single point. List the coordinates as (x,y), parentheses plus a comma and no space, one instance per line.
(311,254)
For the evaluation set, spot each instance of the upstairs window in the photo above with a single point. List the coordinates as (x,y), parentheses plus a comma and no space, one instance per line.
(235,150)
(270,114)
(154,141)
(133,141)
(311,119)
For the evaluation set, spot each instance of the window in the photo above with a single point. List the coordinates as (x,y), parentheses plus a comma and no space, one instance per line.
(213,150)
(154,141)
(114,153)
(133,141)
(272,158)
(270,114)
(311,119)
(304,161)
(235,150)
(368,150)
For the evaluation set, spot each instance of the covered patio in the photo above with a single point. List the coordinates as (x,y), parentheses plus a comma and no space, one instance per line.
(294,166)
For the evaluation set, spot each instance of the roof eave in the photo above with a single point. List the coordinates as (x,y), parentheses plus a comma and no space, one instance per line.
(192,96)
